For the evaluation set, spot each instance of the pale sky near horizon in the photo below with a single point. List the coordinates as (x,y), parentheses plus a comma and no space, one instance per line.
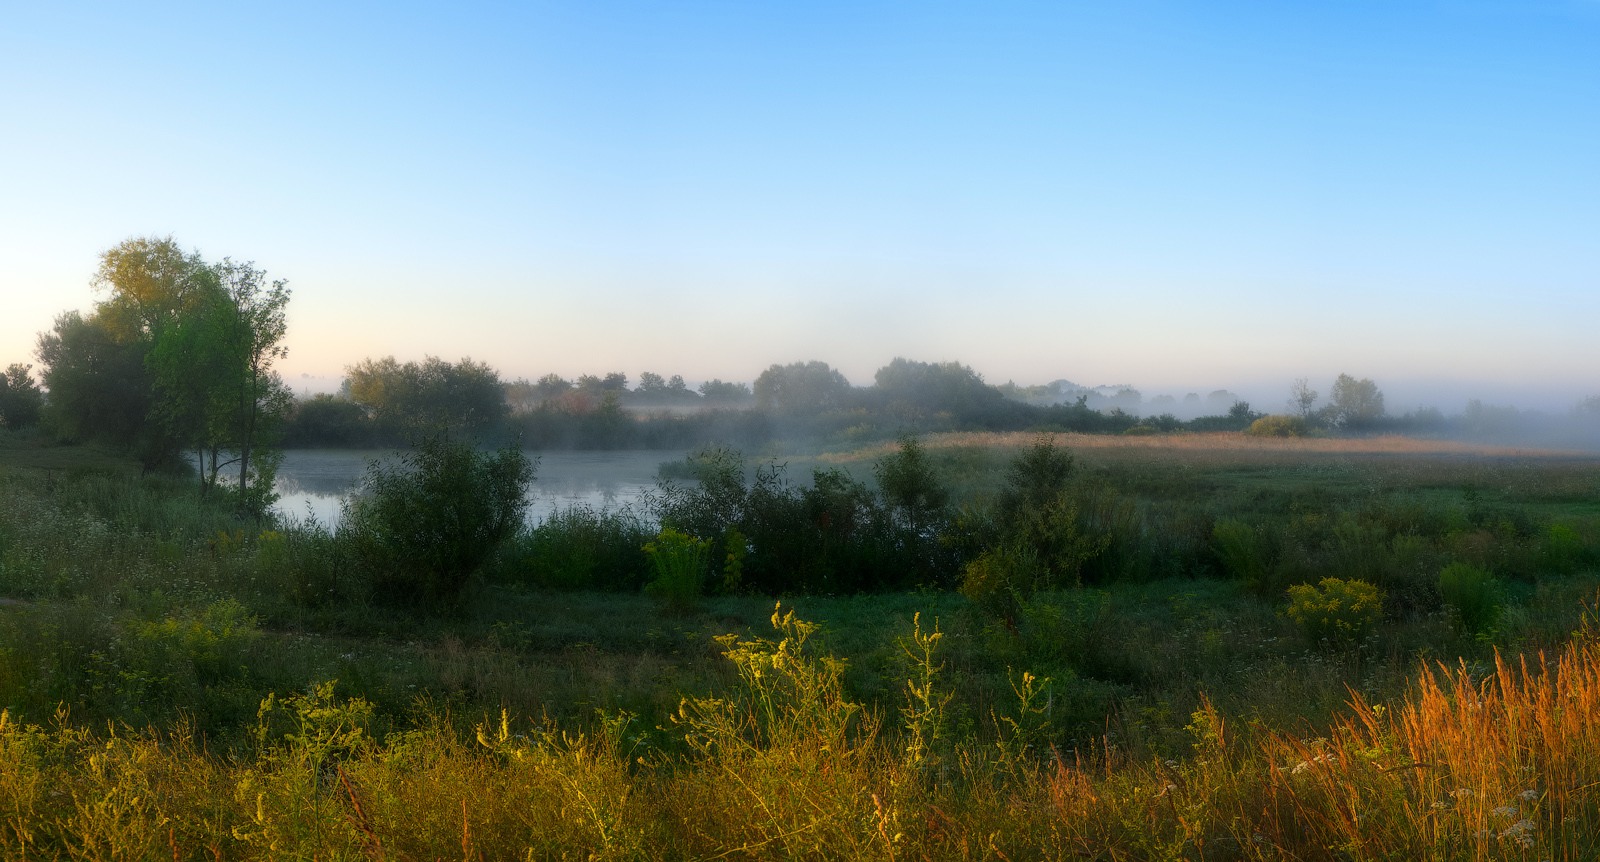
(1183,196)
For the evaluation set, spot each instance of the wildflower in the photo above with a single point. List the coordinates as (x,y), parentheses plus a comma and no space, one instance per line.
(1529,795)
(1461,793)
(1504,811)
(1520,832)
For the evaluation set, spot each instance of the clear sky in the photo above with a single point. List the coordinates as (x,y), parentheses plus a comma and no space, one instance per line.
(1180,196)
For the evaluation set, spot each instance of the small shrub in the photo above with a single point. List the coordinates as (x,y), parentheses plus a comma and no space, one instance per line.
(1472,594)
(735,546)
(680,561)
(423,527)
(1336,611)
(1000,578)
(578,548)
(1561,549)
(1244,551)
(1277,425)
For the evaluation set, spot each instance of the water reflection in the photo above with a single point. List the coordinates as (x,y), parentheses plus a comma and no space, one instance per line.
(314,482)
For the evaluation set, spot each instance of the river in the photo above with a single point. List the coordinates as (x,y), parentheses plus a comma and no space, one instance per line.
(315,482)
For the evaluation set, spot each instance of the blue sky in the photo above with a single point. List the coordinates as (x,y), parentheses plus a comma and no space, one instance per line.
(1181,196)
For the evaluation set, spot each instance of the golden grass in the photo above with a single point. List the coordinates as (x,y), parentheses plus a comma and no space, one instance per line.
(1214,442)
(1476,763)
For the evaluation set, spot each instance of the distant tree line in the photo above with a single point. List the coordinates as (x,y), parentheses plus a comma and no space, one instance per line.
(384,402)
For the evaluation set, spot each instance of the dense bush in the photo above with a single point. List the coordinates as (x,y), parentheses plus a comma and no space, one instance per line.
(422,527)
(1336,611)
(578,548)
(1278,425)
(679,560)
(833,535)
(1472,596)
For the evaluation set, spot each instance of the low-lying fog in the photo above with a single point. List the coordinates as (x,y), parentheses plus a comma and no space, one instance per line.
(315,482)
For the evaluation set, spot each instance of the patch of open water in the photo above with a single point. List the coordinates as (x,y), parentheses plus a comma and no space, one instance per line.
(315,482)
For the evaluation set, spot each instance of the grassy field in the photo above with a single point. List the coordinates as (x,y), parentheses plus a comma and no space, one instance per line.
(180,685)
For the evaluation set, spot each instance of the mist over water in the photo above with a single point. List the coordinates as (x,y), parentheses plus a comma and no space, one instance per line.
(315,482)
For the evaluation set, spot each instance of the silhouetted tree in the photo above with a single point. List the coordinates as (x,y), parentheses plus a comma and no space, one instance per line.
(916,391)
(20,399)
(719,392)
(801,388)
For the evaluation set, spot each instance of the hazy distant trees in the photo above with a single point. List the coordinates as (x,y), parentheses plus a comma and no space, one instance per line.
(180,355)
(716,391)
(655,389)
(615,382)
(918,391)
(1302,397)
(801,388)
(552,386)
(1354,404)
(427,396)
(326,420)
(20,399)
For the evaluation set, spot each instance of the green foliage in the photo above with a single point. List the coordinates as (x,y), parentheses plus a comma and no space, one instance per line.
(578,548)
(100,389)
(1023,730)
(326,420)
(21,402)
(1472,595)
(923,718)
(831,536)
(422,527)
(1036,478)
(1243,550)
(998,579)
(1278,425)
(1354,404)
(194,661)
(178,357)
(911,489)
(427,397)
(717,391)
(679,560)
(801,389)
(787,696)
(1562,550)
(935,394)
(1336,611)
(735,548)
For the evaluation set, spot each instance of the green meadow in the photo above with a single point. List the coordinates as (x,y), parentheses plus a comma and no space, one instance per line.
(1214,647)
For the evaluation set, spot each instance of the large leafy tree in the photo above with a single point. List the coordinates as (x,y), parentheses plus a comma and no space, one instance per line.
(1355,404)
(801,388)
(920,391)
(178,356)
(428,396)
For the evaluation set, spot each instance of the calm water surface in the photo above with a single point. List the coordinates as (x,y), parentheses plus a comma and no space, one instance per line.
(315,482)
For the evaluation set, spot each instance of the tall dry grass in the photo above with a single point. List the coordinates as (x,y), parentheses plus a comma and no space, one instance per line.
(1476,763)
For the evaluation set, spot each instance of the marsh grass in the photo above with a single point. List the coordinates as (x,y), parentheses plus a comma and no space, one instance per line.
(1489,761)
